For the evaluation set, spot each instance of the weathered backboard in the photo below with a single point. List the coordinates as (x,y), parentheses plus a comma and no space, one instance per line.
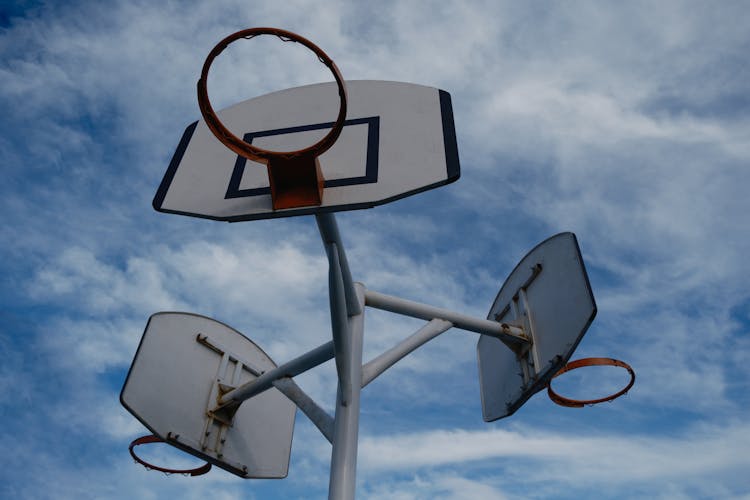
(549,295)
(398,139)
(174,381)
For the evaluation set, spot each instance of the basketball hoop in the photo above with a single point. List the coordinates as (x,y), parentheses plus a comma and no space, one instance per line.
(198,471)
(580,363)
(295,176)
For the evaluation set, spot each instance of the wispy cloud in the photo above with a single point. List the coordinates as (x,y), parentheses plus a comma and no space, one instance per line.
(575,462)
(626,123)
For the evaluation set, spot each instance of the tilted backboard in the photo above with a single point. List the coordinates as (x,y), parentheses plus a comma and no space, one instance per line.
(174,381)
(549,295)
(398,139)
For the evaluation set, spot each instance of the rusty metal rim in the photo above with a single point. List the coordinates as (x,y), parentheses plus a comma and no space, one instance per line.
(580,363)
(241,147)
(156,439)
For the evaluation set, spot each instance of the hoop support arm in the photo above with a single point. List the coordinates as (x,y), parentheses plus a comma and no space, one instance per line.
(298,365)
(317,415)
(325,352)
(503,331)
(375,367)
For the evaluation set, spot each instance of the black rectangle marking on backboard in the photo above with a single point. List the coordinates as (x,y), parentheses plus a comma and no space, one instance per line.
(371,162)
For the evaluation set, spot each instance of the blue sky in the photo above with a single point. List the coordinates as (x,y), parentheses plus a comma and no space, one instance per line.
(627,123)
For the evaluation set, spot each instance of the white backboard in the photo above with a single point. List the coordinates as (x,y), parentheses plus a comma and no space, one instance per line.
(398,139)
(548,293)
(172,384)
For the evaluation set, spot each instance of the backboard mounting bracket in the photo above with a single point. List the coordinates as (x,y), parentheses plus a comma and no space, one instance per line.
(219,419)
(522,317)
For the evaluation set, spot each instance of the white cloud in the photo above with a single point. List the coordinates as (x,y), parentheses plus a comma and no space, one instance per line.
(434,486)
(626,123)
(580,462)
(100,288)
(92,345)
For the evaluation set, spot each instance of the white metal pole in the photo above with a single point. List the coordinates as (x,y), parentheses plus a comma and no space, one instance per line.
(305,403)
(265,381)
(347,301)
(503,331)
(346,424)
(339,320)
(375,367)
(329,232)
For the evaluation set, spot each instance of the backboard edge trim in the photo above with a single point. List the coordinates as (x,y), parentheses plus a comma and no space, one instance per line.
(161,192)
(453,166)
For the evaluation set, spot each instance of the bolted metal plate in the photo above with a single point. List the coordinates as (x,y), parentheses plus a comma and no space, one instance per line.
(174,381)
(549,295)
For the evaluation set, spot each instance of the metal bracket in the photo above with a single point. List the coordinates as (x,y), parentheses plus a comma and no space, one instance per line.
(228,377)
(523,318)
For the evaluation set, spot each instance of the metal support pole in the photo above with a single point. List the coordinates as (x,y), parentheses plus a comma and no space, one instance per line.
(315,413)
(375,367)
(503,331)
(347,301)
(339,319)
(346,423)
(329,232)
(298,365)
